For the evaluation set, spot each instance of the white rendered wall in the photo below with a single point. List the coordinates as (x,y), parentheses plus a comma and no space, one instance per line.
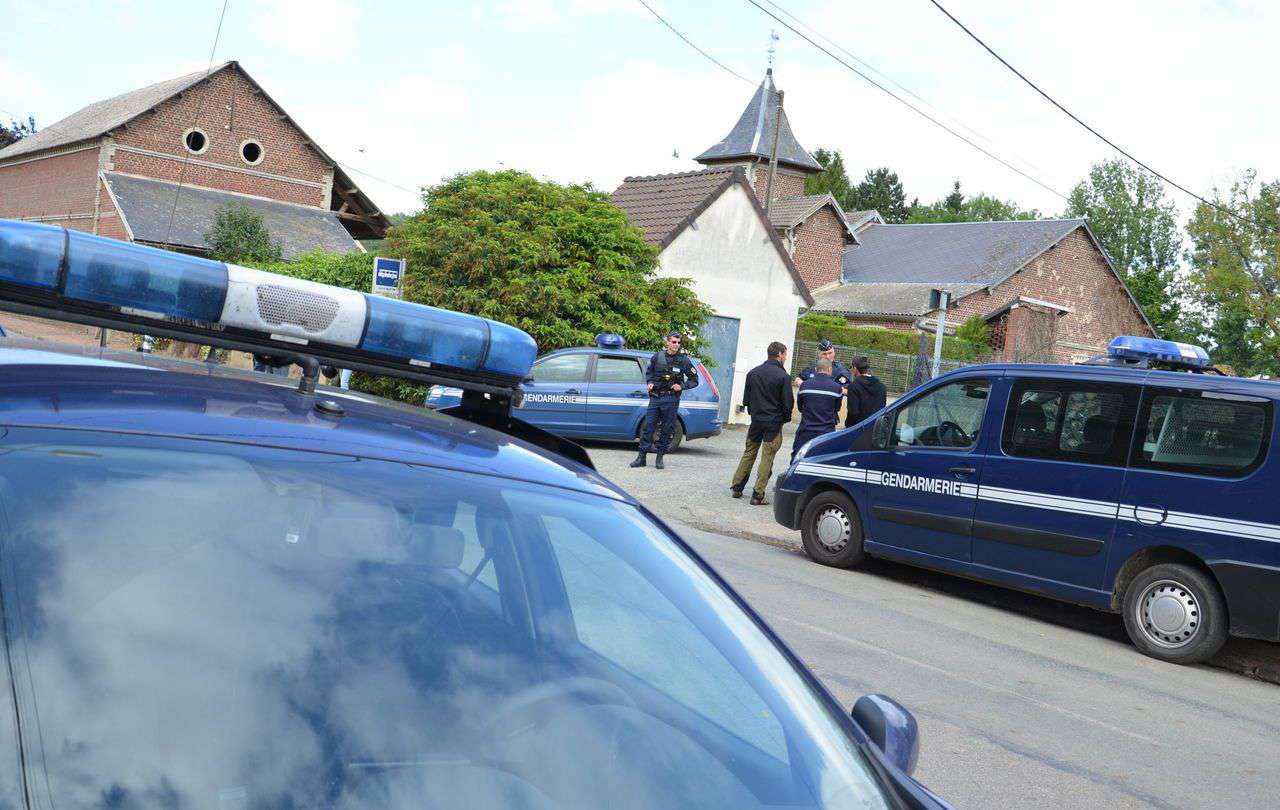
(738,272)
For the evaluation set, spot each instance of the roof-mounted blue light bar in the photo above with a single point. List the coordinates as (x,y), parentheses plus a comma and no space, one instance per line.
(1135,349)
(57,267)
(608,340)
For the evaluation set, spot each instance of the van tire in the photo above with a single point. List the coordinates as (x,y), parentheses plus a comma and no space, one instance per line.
(1175,613)
(831,530)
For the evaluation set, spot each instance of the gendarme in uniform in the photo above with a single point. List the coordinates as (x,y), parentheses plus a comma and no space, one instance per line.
(669,373)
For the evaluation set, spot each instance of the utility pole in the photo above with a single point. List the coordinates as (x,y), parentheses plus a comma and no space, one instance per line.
(944,298)
(773,158)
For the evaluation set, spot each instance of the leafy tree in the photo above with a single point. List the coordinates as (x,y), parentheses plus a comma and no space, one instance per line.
(1137,226)
(560,262)
(954,202)
(956,207)
(976,331)
(882,191)
(16,131)
(353,270)
(1235,261)
(833,179)
(239,234)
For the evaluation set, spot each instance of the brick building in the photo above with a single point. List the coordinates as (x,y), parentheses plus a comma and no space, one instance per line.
(154,164)
(1045,287)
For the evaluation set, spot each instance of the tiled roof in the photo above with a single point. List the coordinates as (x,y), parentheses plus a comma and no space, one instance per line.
(984,253)
(146,205)
(884,298)
(857,219)
(752,136)
(103,116)
(662,205)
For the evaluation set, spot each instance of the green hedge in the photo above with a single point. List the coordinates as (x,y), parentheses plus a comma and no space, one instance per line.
(875,338)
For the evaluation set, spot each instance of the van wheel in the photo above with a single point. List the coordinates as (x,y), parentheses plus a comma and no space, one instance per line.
(831,530)
(1175,613)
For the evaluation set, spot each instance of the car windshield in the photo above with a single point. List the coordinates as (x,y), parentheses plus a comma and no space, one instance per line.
(204,625)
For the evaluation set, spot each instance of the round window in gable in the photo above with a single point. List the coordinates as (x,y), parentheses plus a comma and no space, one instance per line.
(251,152)
(195,140)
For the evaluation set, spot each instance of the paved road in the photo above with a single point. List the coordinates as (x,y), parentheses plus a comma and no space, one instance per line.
(1017,711)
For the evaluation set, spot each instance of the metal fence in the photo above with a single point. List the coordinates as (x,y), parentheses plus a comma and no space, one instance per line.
(899,372)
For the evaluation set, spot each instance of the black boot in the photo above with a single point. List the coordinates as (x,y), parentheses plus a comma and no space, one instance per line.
(640,460)
(657,462)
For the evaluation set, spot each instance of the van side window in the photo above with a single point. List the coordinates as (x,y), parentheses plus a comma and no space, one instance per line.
(949,416)
(1202,432)
(1082,422)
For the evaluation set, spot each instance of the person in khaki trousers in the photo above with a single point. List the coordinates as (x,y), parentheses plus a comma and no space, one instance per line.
(769,399)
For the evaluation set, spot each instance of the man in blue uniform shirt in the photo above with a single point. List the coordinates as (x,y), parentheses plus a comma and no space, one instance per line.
(827,351)
(670,371)
(819,398)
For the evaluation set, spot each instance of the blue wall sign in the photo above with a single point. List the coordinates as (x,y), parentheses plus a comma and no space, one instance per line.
(387,276)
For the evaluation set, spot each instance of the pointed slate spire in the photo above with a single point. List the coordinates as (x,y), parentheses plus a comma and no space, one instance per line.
(752,137)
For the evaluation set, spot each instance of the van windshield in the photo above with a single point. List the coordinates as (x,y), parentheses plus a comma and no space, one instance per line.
(201,625)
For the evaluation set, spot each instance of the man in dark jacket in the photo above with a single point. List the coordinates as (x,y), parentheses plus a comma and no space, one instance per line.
(769,400)
(670,371)
(819,398)
(866,393)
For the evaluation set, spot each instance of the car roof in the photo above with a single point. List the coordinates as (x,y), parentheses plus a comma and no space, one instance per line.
(637,353)
(1121,374)
(87,388)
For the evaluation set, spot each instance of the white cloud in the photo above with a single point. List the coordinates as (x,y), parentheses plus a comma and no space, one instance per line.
(307,27)
(520,15)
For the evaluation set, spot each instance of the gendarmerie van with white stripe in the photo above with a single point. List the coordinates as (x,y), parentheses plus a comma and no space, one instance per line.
(1139,482)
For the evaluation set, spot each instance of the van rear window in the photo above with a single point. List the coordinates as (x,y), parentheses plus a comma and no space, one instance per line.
(1203,433)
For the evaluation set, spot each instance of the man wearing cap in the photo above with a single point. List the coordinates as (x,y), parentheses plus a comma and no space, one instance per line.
(819,400)
(670,371)
(827,351)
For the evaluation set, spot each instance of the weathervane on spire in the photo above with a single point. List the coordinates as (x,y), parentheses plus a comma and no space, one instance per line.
(773,38)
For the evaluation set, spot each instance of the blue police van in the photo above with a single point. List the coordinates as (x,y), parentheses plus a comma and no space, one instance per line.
(1142,482)
(599,392)
(220,588)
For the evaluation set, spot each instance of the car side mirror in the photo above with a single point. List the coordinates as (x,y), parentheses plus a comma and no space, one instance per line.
(880,433)
(891,728)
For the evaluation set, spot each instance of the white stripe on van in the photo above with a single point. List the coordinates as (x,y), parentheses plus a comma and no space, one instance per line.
(1187,521)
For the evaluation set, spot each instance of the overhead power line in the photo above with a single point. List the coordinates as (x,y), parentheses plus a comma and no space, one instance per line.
(1077,119)
(182,173)
(889,79)
(691,44)
(911,106)
(379,179)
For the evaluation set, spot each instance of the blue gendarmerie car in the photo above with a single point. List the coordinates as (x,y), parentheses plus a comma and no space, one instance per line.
(1141,482)
(230,589)
(598,392)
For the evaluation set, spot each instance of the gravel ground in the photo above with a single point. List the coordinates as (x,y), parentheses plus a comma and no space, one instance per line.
(694,490)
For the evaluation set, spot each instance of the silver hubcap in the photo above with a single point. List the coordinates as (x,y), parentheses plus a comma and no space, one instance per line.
(1168,614)
(832,528)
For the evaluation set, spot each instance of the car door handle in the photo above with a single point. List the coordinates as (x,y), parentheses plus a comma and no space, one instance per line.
(962,471)
(573,391)
(1150,515)
(638,394)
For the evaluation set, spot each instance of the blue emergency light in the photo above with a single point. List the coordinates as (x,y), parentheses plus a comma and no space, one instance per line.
(57,270)
(1145,350)
(608,340)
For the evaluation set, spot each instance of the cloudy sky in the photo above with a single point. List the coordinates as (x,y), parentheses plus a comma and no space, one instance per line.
(595,90)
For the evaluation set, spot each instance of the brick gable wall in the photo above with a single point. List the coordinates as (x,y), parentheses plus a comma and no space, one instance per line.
(57,189)
(1074,274)
(819,244)
(290,170)
(785,183)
